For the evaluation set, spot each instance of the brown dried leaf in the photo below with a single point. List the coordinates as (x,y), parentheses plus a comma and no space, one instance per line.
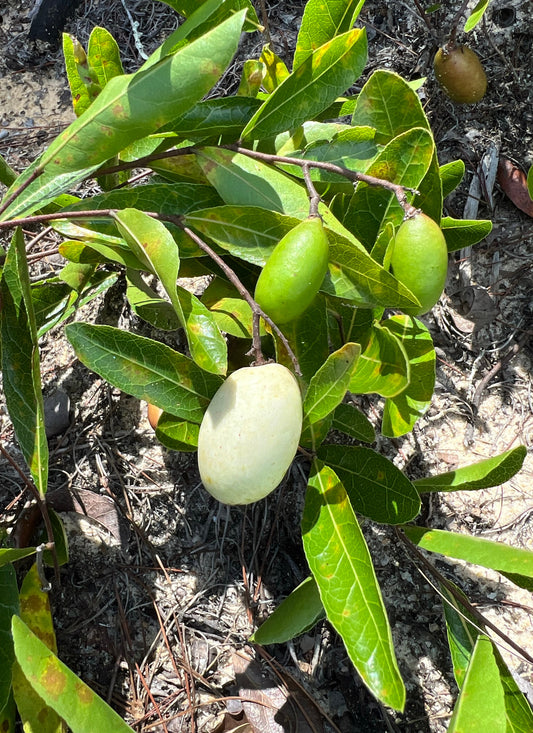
(100,509)
(269,707)
(513,181)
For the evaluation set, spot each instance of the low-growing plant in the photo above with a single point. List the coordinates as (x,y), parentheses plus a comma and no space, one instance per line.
(234,177)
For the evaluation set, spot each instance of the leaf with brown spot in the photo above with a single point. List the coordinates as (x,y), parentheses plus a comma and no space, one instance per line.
(513,181)
(35,714)
(82,709)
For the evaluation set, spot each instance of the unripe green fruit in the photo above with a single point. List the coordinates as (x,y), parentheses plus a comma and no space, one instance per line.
(249,434)
(294,272)
(460,74)
(420,261)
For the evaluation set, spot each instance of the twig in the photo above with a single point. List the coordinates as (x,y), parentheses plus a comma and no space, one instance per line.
(476,399)
(424,17)
(257,312)
(395,188)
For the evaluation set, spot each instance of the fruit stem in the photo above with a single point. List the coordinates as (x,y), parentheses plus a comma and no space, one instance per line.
(257,312)
(314,198)
(450,43)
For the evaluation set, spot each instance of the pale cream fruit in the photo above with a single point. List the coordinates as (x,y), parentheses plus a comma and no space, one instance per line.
(249,434)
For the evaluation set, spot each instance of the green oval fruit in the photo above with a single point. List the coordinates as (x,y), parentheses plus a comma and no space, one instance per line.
(294,272)
(460,74)
(249,434)
(420,261)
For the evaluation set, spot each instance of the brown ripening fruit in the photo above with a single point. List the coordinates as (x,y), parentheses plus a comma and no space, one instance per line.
(460,74)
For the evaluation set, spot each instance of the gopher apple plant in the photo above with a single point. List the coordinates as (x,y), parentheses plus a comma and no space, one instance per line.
(228,178)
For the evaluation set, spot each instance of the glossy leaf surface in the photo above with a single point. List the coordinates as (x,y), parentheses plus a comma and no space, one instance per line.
(375,486)
(20,362)
(295,615)
(481,475)
(351,421)
(341,565)
(312,86)
(145,369)
(383,367)
(481,703)
(60,688)
(129,107)
(322,22)
(476,550)
(35,612)
(401,411)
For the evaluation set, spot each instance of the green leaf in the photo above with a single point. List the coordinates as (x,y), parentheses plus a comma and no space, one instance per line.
(20,362)
(187,8)
(130,107)
(341,565)
(177,434)
(356,277)
(242,182)
(322,22)
(59,687)
(405,161)
(98,284)
(35,612)
(387,103)
(476,550)
(460,233)
(247,232)
(308,338)
(103,55)
(152,243)
(481,475)
(403,410)
(383,367)
(81,98)
(146,304)
(429,197)
(351,421)
(311,87)
(207,345)
(481,703)
(215,118)
(451,175)
(295,615)
(60,541)
(462,630)
(232,314)
(251,79)
(9,606)
(12,554)
(7,174)
(462,635)
(530,182)
(352,148)
(326,390)
(275,70)
(377,489)
(330,383)
(475,15)
(145,369)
